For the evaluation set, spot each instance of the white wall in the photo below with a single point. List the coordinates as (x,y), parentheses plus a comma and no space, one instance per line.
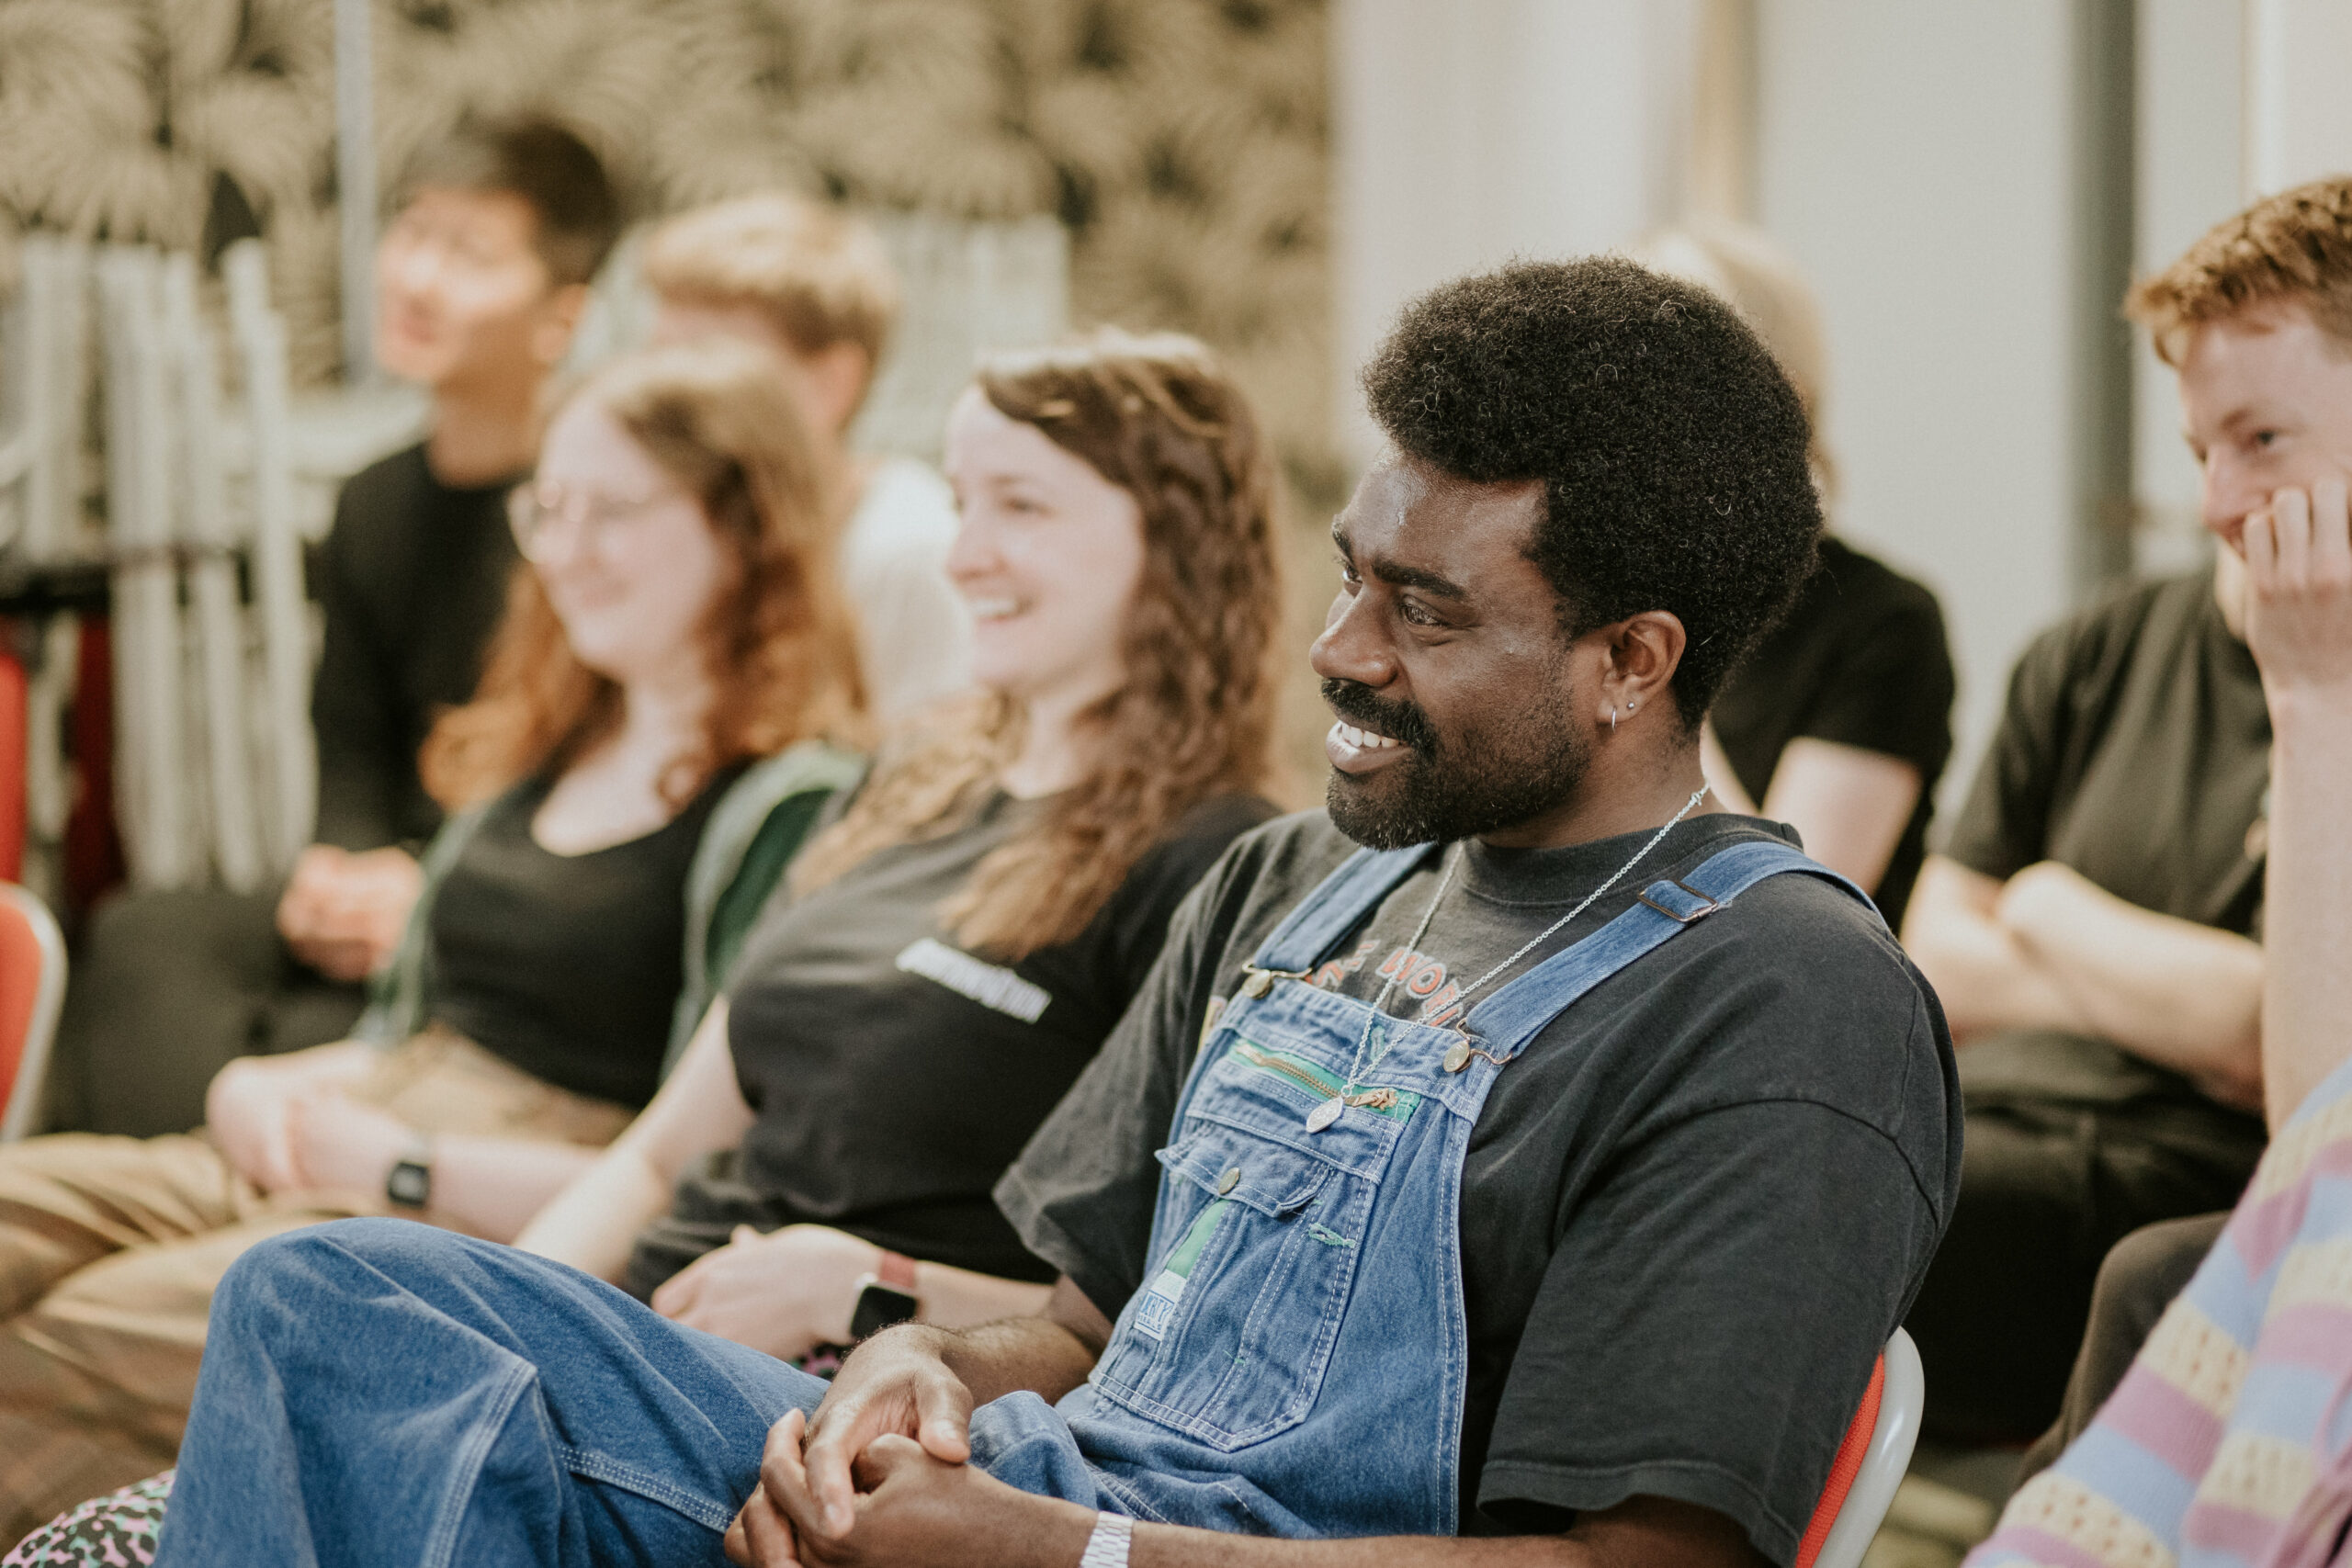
(1470,132)
(1916,157)
(2192,160)
(2299,124)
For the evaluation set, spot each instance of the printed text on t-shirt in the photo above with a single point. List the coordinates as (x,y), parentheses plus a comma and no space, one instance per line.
(1417,976)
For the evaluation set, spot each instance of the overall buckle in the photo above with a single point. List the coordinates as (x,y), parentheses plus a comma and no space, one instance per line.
(1706,906)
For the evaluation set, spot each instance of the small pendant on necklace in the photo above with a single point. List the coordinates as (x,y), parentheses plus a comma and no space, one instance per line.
(1323,1115)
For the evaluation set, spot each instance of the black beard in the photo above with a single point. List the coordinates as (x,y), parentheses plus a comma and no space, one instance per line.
(1442,791)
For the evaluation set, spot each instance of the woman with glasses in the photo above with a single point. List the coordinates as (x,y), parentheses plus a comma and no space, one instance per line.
(648,746)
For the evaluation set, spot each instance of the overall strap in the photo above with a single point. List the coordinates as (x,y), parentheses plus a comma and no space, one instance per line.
(1337,903)
(1506,1021)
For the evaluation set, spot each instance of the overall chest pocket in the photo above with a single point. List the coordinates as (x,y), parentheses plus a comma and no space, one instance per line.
(1230,1337)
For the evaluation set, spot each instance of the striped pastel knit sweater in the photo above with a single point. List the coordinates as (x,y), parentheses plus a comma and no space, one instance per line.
(2229,1443)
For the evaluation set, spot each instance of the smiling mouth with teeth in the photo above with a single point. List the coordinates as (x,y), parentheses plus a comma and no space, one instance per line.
(995,609)
(1364,740)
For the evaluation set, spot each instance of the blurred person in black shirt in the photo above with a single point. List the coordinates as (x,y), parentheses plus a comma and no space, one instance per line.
(1839,723)
(481,280)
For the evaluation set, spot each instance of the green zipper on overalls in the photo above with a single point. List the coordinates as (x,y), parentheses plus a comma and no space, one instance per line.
(1395,1103)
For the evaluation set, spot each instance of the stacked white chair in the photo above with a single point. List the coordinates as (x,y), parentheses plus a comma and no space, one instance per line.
(211,567)
(215,762)
(44,390)
(151,801)
(276,553)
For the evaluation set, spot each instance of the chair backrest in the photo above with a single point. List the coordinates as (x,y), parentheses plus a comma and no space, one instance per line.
(16,691)
(1869,1462)
(32,987)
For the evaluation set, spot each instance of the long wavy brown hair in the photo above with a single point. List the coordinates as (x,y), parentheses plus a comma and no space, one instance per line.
(1158,417)
(776,640)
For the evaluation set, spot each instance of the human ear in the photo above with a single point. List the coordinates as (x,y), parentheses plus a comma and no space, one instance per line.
(835,381)
(1639,657)
(558,318)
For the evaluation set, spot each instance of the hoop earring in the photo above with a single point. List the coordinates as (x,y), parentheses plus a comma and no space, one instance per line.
(1612,717)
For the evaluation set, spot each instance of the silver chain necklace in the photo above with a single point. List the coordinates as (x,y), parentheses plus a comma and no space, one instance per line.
(1458,1055)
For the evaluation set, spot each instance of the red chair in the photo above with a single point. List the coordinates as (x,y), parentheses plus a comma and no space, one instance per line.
(1869,1462)
(32,987)
(14,702)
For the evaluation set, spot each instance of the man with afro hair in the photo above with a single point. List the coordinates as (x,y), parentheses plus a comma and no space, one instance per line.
(1520,1151)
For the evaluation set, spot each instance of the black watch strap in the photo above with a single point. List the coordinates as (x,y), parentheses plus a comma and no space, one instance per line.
(410,1185)
(885,1297)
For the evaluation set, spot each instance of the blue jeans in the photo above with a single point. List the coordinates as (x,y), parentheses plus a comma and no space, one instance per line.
(379,1392)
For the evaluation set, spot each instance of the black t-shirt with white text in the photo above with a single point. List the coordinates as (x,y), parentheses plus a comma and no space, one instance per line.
(412,581)
(1692,1211)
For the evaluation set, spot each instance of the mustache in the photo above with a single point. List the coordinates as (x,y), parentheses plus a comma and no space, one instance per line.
(1403,722)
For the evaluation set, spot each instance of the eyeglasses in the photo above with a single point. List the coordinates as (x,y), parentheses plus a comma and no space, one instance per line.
(540,515)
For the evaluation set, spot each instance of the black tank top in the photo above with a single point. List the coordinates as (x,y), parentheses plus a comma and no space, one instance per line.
(569,967)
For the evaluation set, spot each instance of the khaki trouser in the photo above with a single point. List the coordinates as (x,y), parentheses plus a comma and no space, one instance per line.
(110,1248)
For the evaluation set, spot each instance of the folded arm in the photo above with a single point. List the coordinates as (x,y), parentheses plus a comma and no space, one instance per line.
(917,1511)
(1982,973)
(249,1106)
(2049,949)
(789,1290)
(2173,992)
(487,1186)
(592,1222)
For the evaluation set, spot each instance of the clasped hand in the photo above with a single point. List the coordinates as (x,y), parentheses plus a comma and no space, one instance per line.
(286,1124)
(343,913)
(785,1292)
(882,1478)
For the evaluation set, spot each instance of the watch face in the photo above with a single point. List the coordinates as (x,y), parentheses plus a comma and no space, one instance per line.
(409,1185)
(879,1306)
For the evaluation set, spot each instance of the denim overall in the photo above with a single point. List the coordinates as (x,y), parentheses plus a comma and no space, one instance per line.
(1278,1254)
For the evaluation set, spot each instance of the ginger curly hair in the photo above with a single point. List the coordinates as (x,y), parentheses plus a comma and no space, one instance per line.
(777,640)
(1158,417)
(2292,248)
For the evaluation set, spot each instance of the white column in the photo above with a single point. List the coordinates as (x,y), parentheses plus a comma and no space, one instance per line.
(355,173)
(1472,132)
(2299,112)
(2191,175)
(1918,161)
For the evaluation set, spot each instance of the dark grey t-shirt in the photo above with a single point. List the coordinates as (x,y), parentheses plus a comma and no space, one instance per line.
(1691,1212)
(2135,748)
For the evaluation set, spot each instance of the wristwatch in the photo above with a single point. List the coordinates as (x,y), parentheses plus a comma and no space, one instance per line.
(410,1185)
(885,1297)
